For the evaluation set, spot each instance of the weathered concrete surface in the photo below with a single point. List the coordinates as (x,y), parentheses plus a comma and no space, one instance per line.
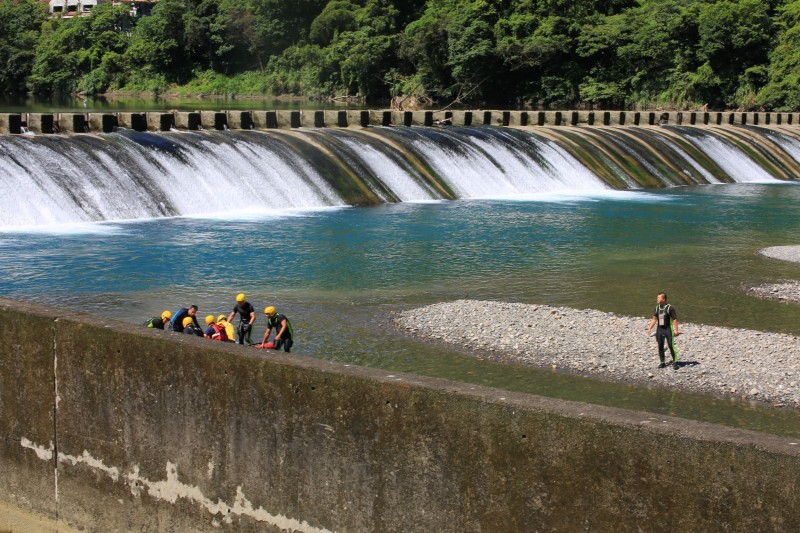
(10,123)
(164,432)
(73,123)
(221,120)
(133,121)
(27,407)
(41,122)
(102,122)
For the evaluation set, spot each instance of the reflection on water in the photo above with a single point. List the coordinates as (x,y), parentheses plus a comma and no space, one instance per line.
(113,104)
(340,274)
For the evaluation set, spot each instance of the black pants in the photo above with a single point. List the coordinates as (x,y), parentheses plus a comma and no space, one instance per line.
(665,335)
(244,332)
(286,343)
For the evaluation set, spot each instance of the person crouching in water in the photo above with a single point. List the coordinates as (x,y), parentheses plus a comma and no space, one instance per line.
(179,318)
(215,331)
(159,322)
(230,331)
(247,315)
(284,336)
(190,327)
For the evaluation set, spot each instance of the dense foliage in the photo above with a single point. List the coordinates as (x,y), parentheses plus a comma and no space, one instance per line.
(553,53)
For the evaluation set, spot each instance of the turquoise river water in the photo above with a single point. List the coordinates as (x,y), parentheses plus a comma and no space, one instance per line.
(340,274)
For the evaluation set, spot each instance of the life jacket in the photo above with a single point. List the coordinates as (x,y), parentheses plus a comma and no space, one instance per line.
(230,331)
(219,333)
(666,316)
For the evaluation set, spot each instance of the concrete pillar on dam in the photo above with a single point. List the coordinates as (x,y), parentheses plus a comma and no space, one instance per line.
(42,123)
(519,118)
(360,118)
(102,122)
(214,120)
(11,123)
(330,117)
(240,120)
(459,118)
(265,120)
(73,123)
(132,121)
(160,121)
(187,121)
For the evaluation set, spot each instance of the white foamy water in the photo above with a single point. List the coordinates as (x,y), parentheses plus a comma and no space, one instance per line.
(789,144)
(733,161)
(392,175)
(107,178)
(493,169)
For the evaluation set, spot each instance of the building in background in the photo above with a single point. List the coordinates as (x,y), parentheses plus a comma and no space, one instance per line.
(78,8)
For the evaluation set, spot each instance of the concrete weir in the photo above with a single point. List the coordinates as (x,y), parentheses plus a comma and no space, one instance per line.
(48,123)
(110,427)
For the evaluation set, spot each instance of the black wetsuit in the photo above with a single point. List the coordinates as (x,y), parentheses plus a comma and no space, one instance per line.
(193,329)
(156,322)
(287,339)
(177,320)
(664,317)
(243,331)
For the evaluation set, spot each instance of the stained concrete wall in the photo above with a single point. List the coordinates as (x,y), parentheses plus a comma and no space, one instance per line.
(154,431)
(221,120)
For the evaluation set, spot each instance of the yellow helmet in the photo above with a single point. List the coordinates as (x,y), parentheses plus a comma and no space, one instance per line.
(166,314)
(220,318)
(240,297)
(269,311)
(209,320)
(186,321)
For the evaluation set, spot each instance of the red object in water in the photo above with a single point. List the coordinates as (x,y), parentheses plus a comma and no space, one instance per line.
(269,345)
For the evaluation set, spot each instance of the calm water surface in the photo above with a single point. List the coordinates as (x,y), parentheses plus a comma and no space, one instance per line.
(340,274)
(113,104)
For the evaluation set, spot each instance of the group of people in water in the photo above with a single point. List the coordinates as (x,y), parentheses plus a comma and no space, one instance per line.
(221,328)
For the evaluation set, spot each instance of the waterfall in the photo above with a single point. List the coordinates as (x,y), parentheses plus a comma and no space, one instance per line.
(53,179)
(488,163)
(735,163)
(789,144)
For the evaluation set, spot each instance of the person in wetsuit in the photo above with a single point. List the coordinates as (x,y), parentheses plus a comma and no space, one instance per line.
(284,335)
(667,320)
(247,315)
(159,322)
(176,324)
(190,327)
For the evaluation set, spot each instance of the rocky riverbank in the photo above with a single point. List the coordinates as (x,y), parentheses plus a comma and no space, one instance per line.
(714,360)
(786,291)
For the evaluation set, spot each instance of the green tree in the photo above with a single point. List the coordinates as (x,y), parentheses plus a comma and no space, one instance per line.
(782,90)
(20,23)
(734,38)
(70,51)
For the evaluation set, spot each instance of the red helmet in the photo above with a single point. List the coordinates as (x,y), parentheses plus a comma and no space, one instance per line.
(270,345)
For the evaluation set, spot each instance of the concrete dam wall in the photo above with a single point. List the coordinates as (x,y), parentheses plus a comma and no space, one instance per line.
(108,427)
(52,123)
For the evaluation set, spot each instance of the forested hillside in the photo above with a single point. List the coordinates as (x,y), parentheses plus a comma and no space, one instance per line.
(545,53)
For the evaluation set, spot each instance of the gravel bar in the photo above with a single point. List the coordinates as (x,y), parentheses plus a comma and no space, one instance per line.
(784,253)
(786,291)
(714,360)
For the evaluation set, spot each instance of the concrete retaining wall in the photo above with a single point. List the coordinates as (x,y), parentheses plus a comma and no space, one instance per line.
(110,427)
(221,120)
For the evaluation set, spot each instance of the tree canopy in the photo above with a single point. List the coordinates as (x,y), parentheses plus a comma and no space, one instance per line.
(546,53)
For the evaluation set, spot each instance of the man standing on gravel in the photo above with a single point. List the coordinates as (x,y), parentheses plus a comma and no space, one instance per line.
(667,329)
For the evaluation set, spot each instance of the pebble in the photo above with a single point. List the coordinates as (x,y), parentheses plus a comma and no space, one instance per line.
(616,347)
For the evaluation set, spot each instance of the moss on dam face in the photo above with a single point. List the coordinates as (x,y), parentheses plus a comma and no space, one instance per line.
(106,427)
